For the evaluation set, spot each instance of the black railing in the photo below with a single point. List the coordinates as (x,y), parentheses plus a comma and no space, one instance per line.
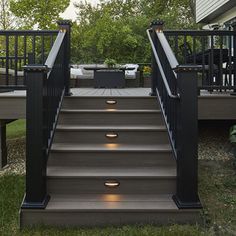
(18,48)
(176,88)
(215,50)
(46,86)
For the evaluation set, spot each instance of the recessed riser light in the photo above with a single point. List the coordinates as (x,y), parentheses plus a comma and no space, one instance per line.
(111,135)
(112,184)
(111,102)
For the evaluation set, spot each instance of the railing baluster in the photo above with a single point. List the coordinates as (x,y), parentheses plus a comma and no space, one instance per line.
(42,48)
(234,58)
(205,72)
(176,46)
(25,57)
(7,59)
(16,60)
(220,79)
(185,49)
(33,47)
(194,50)
(229,64)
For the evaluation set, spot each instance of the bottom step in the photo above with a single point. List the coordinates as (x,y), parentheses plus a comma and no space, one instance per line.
(108,210)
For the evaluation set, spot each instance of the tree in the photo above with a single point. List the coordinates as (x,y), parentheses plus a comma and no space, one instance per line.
(6,17)
(40,13)
(117,28)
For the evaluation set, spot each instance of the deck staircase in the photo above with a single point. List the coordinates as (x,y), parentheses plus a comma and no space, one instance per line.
(111,163)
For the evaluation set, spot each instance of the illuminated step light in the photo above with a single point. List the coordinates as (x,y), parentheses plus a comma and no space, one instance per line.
(111,102)
(112,184)
(112,135)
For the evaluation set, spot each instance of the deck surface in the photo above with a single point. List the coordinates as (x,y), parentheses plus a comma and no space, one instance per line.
(211,106)
(112,92)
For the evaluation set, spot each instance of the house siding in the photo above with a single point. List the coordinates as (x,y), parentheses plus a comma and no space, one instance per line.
(206,8)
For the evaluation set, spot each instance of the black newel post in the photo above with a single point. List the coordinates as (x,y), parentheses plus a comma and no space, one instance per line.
(156,26)
(36,158)
(187,132)
(234,51)
(3,146)
(65,25)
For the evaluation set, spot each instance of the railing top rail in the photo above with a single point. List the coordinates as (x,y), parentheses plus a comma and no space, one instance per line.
(54,50)
(200,32)
(167,49)
(170,94)
(28,32)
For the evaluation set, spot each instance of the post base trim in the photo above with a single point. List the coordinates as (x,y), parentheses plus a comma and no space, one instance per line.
(187,205)
(35,205)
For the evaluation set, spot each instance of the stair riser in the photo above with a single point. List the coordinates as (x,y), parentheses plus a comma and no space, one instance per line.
(98,219)
(111,118)
(100,103)
(106,159)
(124,137)
(96,185)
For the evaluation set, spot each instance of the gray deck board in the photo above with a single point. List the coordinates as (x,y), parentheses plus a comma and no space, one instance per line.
(212,106)
(117,128)
(111,172)
(110,147)
(93,202)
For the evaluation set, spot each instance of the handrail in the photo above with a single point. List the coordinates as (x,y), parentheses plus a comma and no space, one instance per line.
(169,53)
(28,32)
(54,51)
(200,32)
(170,94)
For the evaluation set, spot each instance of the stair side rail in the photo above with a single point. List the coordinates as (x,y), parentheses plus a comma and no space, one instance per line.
(46,86)
(176,88)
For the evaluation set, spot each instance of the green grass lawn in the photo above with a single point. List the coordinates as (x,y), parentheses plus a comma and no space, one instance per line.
(16,129)
(217,191)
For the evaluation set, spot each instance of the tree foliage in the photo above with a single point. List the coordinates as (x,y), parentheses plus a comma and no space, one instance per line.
(7,19)
(40,13)
(117,28)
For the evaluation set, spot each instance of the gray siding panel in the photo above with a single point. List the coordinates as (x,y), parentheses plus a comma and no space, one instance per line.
(204,8)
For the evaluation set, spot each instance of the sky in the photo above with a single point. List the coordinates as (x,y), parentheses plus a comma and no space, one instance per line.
(70,11)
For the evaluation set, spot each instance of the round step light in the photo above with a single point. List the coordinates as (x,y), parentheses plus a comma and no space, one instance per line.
(112,183)
(111,102)
(111,135)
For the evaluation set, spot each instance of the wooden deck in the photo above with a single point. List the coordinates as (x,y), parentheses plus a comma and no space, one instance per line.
(214,106)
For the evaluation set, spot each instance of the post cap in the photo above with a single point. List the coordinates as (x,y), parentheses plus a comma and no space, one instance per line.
(36,68)
(64,22)
(188,68)
(157,23)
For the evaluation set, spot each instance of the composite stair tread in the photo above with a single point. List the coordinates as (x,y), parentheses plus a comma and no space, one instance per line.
(111,97)
(111,127)
(112,172)
(109,111)
(111,202)
(64,147)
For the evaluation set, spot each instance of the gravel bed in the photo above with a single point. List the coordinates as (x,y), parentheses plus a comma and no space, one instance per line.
(16,156)
(213,145)
(214,141)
